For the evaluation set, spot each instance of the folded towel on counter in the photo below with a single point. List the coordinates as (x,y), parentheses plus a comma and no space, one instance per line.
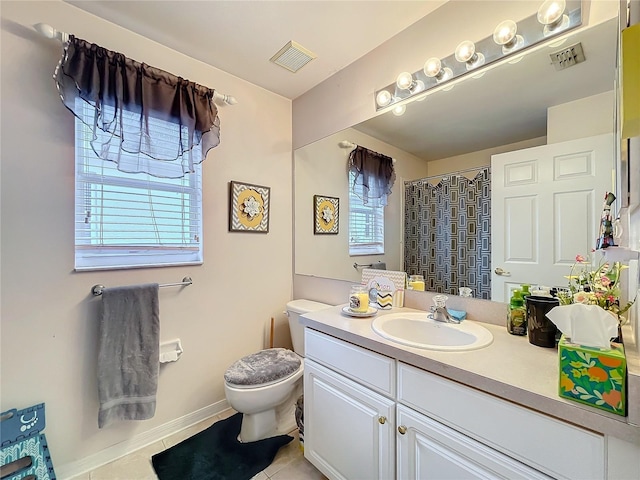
(128,353)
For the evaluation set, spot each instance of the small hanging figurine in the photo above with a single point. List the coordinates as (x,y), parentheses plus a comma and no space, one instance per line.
(605,235)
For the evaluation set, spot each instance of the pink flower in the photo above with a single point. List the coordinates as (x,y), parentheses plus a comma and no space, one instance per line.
(606,281)
(581,297)
(579,258)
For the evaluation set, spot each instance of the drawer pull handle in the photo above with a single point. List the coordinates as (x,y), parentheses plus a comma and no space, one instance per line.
(402,429)
(382,420)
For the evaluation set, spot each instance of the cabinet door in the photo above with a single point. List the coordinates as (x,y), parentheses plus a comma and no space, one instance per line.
(429,450)
(349,430)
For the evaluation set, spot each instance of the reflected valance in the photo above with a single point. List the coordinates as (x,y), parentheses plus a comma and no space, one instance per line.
(142,118)
(374,172)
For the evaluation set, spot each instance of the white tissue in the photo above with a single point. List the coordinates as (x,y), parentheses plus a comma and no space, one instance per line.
(588,325)
(166,357)
(170,351)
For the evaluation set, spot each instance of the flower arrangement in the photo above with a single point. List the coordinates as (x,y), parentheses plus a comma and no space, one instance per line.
(600,286)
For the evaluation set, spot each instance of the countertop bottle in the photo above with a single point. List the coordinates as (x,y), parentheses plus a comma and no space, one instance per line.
(416,282)
(516,317)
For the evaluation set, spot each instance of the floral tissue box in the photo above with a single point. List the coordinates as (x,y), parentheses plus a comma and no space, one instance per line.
(593,376)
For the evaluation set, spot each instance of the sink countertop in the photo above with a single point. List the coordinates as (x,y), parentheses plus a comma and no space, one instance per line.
(510,368)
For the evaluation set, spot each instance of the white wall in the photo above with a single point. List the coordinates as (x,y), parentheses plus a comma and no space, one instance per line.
(48,344)
(321,169)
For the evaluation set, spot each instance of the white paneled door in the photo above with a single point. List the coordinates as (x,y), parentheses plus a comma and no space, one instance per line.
(546,204)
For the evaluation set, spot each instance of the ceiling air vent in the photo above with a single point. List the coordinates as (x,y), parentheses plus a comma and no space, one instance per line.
(293,57)
(567,57)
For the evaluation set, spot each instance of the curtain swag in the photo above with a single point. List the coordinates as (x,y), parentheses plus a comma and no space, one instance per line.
(375,172)
(124,99)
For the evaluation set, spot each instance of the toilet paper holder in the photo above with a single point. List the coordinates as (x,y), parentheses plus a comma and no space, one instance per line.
(170,351)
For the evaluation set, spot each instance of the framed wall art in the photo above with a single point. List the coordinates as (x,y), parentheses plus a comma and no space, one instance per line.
(248,208)
(326,213)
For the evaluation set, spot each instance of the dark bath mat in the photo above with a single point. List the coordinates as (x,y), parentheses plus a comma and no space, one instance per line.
(216,454)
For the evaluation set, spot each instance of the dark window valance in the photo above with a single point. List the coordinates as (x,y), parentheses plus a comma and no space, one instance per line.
(375,172)
(118,96)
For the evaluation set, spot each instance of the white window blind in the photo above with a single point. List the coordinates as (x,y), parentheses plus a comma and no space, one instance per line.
(125,220)
(366,224)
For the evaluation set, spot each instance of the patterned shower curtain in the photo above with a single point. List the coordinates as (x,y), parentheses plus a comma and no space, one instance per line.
(448,233)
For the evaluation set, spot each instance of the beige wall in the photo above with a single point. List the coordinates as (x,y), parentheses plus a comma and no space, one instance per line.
(49,318)
(321,169)
(480,158)
(582,118)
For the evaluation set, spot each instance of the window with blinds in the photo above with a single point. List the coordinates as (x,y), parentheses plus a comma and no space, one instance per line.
(125,220)
(366,224)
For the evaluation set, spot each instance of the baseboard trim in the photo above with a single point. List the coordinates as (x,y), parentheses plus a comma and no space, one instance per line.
(87,464)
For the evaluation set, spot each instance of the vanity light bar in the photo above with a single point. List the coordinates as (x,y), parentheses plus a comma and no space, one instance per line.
(530,32)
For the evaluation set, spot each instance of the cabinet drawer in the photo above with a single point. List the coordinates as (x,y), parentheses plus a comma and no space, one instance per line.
(549,445)
(368,368)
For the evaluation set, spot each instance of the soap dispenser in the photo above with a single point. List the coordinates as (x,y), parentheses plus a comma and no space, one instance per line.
(516,317)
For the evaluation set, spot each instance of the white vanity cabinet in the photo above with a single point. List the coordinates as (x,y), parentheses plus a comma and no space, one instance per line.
(349,427)
(369,416)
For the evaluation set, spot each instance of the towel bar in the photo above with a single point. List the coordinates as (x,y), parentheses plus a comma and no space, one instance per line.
(358,265)
(96,290)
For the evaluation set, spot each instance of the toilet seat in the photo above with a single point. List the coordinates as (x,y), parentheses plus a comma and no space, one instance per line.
(263,368)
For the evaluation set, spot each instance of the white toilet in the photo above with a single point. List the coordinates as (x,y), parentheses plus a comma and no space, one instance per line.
(265,385)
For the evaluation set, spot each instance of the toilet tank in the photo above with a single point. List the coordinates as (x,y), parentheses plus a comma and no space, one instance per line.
(295,308)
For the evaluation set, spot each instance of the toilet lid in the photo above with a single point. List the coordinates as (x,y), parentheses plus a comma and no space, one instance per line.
(262,367)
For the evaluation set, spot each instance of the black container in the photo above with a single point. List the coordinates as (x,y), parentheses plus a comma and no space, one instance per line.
(541,330)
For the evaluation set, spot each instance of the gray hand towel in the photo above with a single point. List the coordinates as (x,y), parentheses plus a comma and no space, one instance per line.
(128,353)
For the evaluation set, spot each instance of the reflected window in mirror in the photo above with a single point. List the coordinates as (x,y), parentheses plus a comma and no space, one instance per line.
(366,223)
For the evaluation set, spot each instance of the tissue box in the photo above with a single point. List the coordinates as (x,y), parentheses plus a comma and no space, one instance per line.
(593,376)
(24,452)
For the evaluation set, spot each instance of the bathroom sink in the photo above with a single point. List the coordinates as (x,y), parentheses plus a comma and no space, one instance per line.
(416,330)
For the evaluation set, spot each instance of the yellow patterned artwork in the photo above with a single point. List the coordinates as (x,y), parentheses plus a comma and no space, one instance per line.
(249,208)
(326,211)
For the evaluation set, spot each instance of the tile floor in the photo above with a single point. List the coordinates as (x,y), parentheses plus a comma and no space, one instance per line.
(289,463)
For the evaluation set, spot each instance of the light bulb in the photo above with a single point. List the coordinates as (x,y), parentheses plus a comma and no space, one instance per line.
(405,81)
(399,110)
(551,15)
(383,98)
(505,34)
(433,69)
(466,53)
(551,11)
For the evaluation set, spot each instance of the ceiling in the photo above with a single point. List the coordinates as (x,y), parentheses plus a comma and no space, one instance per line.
(239,37)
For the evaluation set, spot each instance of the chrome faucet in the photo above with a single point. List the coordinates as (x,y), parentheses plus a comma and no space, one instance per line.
(441,314)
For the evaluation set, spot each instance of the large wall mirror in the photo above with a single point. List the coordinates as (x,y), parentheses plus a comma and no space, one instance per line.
(525,104)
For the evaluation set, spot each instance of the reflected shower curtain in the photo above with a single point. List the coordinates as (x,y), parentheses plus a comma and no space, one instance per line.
(447,234)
